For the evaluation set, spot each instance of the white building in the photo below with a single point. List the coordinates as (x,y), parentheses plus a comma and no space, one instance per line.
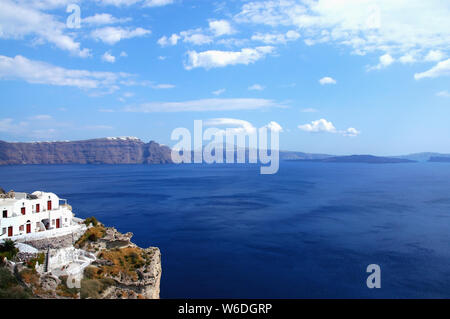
(36,215)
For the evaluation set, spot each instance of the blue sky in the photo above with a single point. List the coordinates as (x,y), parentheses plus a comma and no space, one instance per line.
(340,77)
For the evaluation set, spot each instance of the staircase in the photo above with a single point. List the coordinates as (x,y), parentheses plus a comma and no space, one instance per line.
(47,260)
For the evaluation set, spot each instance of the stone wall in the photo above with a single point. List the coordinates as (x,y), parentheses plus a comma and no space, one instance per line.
(56,242)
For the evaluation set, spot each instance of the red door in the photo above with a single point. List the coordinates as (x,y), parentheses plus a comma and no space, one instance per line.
(49,205)
(10,231)
(28,228)
(38,208)
(58,225)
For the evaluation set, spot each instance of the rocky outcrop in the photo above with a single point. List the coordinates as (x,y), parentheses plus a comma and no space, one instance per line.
(147,286)
(97,151)
(130,272)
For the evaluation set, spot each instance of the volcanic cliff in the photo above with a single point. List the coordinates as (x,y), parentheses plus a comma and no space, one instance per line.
(125,150)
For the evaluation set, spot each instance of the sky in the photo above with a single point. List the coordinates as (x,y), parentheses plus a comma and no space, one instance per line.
(335,76)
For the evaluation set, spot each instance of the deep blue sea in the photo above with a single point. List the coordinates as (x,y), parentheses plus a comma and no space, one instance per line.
(309,231)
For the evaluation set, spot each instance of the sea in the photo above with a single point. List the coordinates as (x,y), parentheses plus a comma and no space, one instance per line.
(309,231)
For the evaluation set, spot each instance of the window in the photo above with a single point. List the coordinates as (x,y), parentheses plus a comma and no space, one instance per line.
(5,214)
(38,208)
(23,210)
(4,230)
(21,228)
(53,222)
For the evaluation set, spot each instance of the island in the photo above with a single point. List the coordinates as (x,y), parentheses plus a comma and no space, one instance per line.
(438,159)
(368,159)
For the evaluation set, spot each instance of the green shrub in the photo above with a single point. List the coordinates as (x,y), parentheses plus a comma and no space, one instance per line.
(63,290)
(41,258)
(10,287)
(91,288)
(91,235)
(91,220)
(90,272)
(8,249)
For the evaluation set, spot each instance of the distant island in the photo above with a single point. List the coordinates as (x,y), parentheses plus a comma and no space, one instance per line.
(131,150)
(369,159)
(438,159)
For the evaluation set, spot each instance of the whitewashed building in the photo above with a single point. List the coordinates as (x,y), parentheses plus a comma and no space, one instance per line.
(33,216)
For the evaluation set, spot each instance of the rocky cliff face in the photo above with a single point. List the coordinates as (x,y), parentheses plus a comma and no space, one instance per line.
(129,272)
(97,151)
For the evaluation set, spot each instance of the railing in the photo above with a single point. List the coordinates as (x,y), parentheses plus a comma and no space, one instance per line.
(45,234)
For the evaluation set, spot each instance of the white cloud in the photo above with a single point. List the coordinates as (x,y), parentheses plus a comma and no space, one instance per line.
(215,59)
(324,126)
(256,87)
(157,3)
(236,126)
(407,58)
(275,38)
(38,72)
(363,25)
(199,36)
(440,69)
(435,56)
(219,92)
(145,3)
(309,110)
(18,20)
(327,80)
(220,27)
(204,105)
(385,61)
(112,35)
(274,127)
(42,117)
(443,93)
(107,57)
(166,41)
(8,125)
(351,131)
(32,129)
(321,125)
(196,37)
(102,19)
(119,3)
(162,86)
(48,4)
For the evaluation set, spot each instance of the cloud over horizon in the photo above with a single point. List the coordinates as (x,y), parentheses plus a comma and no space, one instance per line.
(204,105)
